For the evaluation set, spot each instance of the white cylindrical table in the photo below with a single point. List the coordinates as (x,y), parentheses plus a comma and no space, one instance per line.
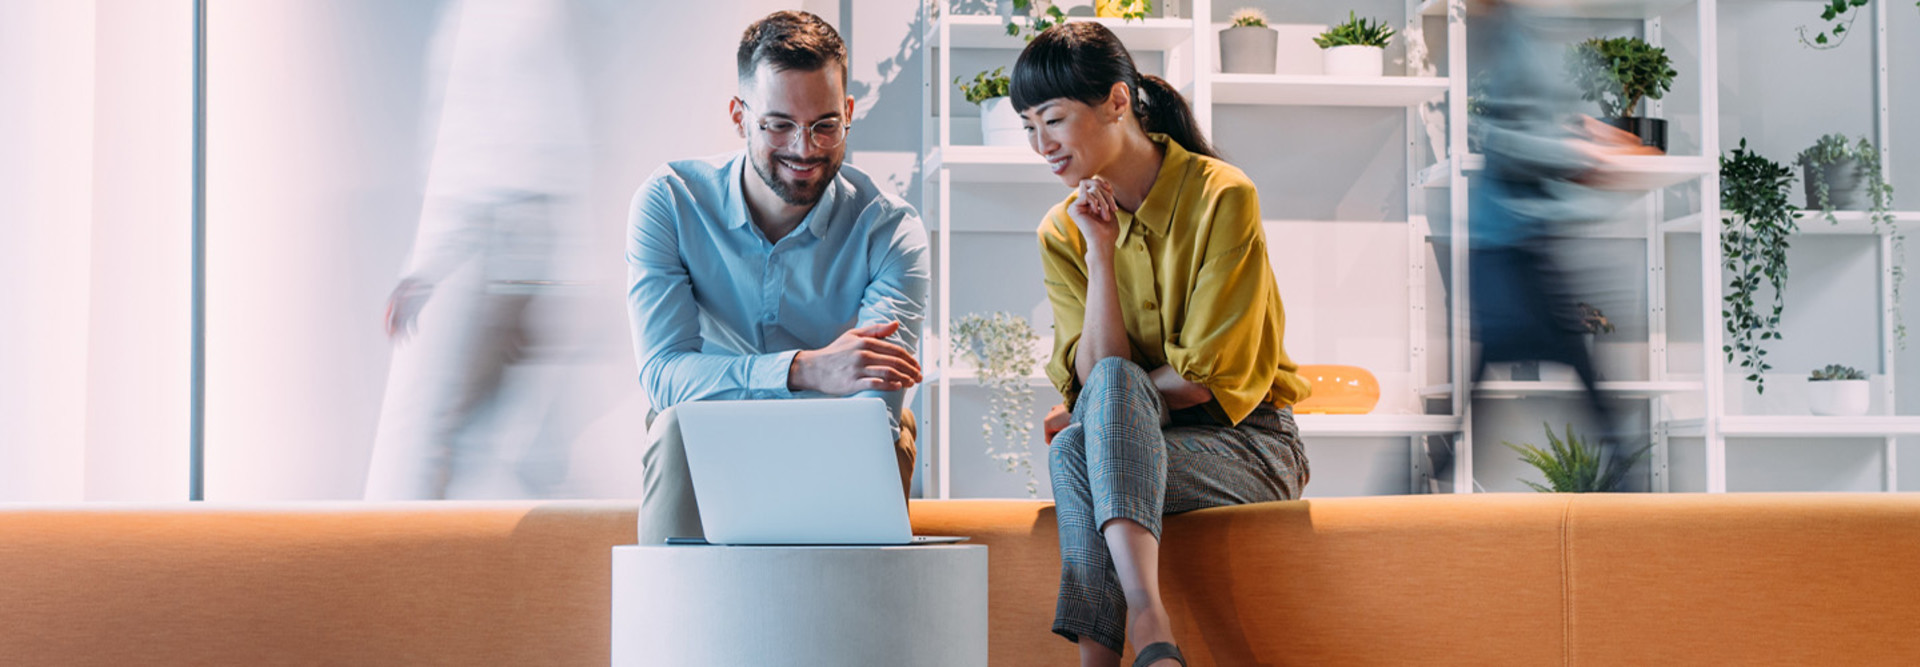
(719,605)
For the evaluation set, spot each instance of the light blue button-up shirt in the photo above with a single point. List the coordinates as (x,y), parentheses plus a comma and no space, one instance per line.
(718,312)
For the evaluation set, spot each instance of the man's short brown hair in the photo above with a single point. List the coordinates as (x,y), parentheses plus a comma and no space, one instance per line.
(791,40)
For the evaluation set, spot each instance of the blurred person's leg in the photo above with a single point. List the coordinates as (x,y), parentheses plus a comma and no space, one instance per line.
(572,392)
(459,385)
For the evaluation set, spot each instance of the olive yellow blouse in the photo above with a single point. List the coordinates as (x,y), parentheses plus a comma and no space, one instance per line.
(1196,292)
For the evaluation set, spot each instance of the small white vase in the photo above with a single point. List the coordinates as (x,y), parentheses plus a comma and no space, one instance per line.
(1837,398)
(1248,50)
(1355,61)
(999,125)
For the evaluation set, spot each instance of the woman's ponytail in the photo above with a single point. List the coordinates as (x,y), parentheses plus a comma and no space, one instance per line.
(1162,109)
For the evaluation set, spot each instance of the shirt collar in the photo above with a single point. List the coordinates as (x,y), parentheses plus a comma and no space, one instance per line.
(818,220)
(1156,212)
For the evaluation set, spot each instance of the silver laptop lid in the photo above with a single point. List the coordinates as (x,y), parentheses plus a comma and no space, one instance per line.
(795,471)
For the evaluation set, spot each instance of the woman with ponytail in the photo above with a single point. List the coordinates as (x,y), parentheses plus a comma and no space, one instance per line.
(1167,335)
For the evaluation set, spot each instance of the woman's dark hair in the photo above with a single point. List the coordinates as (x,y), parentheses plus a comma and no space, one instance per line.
(1081,60)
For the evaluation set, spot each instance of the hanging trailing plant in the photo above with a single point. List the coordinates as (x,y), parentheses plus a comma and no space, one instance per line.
(1001,346)
(1037,21)
(1123,9)
(1753,247)
(1043,14)
(1832,153)
(1838,16)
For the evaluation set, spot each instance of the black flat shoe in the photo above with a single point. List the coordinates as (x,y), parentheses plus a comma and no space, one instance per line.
(1158,651)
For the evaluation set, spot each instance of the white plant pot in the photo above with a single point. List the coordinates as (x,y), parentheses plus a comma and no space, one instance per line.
(1355,61)
(999,125)
(1837,398)
(1249,50)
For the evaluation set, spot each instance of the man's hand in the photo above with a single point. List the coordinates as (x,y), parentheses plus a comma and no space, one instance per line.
(859,360)
(1057,420)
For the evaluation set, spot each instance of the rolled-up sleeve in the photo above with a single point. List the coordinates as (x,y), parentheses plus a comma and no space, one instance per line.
(899,288)
(665,318)
(1229,342)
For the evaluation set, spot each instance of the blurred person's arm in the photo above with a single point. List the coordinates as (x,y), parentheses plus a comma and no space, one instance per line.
(900,289)
(665,318)
(1523,139)
(450,233)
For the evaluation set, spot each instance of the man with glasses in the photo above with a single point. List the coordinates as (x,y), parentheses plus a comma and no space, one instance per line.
(772,272)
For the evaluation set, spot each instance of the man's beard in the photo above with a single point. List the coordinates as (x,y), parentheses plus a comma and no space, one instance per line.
(797,194)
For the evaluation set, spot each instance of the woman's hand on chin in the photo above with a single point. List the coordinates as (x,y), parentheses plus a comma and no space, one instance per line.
(1093,212)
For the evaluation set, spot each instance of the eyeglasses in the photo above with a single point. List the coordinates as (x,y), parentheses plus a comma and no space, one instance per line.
(826,133)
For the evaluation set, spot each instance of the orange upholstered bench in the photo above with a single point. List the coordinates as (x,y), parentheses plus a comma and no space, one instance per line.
(1432,580)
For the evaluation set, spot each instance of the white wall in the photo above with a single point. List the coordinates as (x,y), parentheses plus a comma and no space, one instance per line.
(94,250)
(46,54)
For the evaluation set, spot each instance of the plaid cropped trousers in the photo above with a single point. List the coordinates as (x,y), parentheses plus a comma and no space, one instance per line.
(1126,456)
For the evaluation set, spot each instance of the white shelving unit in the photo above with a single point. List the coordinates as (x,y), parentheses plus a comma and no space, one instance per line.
(1185,43)
(1188,65)
(1651,174)
(1717,425)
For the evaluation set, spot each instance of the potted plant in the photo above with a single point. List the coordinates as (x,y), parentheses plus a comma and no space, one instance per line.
(1248,46)
(1572,466)
(1753,247)
(1837,391)
(1839,174)
(1355,48)
(1843,176)
(1002,349)
(999,124)
(1619,73)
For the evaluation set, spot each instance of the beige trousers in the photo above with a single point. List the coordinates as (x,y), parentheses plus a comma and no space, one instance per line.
(667,506)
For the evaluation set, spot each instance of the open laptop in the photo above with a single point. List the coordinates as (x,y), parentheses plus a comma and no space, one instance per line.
(817,471)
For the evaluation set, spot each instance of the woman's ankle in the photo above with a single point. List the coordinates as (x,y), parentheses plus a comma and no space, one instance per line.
(1148,625)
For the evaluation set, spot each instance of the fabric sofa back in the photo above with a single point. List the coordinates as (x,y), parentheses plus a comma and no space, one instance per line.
(1447,580)
(1499,579)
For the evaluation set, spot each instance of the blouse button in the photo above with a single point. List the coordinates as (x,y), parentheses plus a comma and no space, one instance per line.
(1149,305)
